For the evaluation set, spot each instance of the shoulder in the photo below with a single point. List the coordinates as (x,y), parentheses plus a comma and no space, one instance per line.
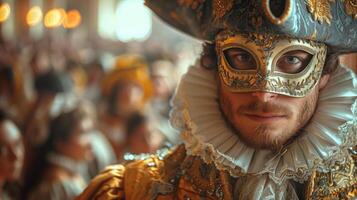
(146,179)
(135,179)
(339,182)
(109,183)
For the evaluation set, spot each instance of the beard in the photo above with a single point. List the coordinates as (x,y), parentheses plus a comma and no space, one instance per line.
(265,136)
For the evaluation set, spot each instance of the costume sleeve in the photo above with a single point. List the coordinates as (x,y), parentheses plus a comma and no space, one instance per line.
(106,186)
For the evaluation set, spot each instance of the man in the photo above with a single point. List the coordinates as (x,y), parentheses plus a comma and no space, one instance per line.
(268,114)
(126,89)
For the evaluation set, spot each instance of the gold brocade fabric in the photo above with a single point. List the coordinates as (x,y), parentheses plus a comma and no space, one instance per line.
(179,176)
(340,182)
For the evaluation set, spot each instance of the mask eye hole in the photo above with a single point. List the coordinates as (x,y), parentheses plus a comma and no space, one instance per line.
(240,59)
(293,62)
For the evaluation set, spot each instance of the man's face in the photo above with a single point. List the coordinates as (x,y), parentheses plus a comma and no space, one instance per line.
(267,120)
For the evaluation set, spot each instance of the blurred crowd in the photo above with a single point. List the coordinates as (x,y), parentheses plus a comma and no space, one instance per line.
(64,118)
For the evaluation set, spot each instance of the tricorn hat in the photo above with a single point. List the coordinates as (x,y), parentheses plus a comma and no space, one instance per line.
(333,22)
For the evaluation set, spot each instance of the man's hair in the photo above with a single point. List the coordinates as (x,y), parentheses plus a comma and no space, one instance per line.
(331,64)
(209,59)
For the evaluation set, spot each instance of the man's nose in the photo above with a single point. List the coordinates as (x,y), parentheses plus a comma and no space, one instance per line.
(264,96)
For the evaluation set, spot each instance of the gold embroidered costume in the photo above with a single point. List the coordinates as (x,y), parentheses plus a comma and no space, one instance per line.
(179,176)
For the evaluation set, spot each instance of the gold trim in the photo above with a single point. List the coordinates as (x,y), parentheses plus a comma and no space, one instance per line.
(272,18)
(351,8)
(338,183)
(313,35)
(320,10)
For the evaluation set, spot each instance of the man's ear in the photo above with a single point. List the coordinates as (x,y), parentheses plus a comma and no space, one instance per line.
(323,81)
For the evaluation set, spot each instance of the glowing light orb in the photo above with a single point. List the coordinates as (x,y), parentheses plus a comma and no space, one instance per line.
(5,11)
(34,16)
(72,20)
(133,21)
(54,18)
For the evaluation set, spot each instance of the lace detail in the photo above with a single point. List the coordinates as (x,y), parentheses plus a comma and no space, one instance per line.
(331,131)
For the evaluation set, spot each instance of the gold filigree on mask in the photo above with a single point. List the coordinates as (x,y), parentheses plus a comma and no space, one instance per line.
(266,49)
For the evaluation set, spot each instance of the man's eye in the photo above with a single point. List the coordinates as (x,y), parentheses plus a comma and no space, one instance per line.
(292,60)
(240,59)
(243,57)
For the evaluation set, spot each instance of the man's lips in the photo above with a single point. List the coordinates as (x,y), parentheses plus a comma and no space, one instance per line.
(265,117)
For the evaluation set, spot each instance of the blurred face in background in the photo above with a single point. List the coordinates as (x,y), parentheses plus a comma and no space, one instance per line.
(128,99)
(11,151)
(161,88)
(78,145)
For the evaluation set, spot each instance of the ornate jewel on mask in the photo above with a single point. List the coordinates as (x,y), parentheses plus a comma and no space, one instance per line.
(267,62)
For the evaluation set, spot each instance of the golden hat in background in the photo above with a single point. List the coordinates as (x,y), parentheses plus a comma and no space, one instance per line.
(131,68)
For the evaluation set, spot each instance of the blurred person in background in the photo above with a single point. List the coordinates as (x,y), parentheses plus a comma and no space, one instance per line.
(139,135)
(60,171)
(164,78)
(78,75)
(12,97)
(39,60)
(95,73)
(11,157)
(163,75)
(126,89)
(48,86)
(103,153)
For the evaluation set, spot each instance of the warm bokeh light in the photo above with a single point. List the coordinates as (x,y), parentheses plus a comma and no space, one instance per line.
(34,16)
(139,26)
(73,19)
(54,18)
(4,12)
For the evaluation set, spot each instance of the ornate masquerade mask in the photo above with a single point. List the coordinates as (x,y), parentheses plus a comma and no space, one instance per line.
(267,62)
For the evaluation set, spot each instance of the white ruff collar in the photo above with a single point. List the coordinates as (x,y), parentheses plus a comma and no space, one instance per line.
(205,133)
